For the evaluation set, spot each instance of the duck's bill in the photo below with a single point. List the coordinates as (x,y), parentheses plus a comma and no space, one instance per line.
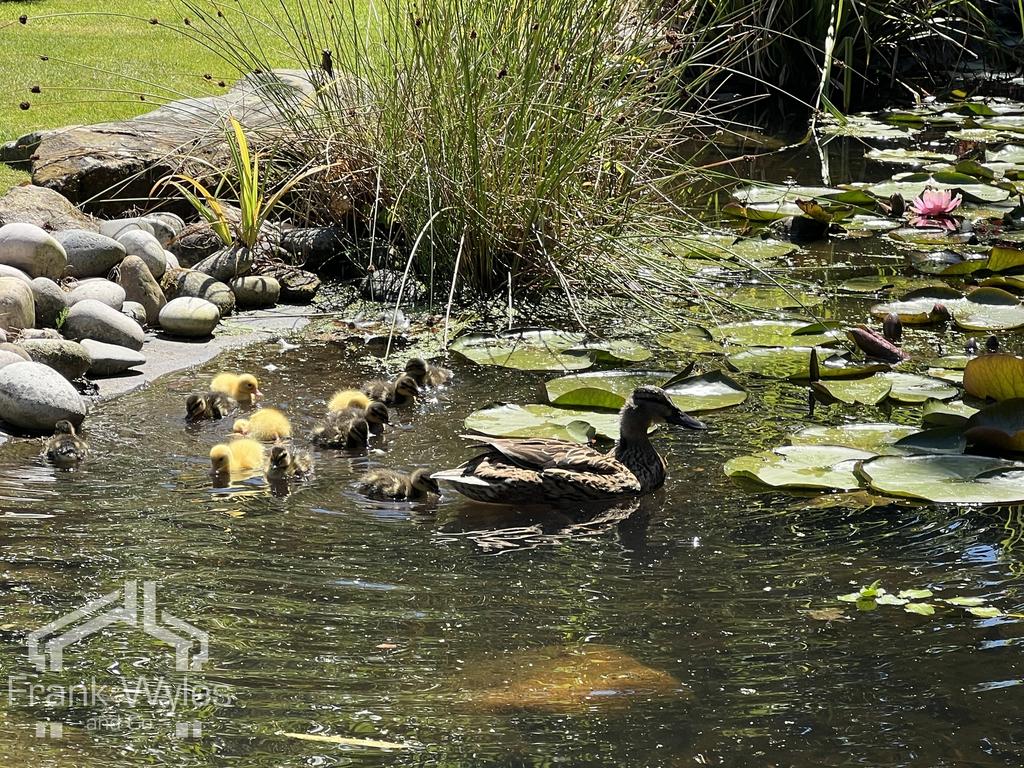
(682,419)
(256,395)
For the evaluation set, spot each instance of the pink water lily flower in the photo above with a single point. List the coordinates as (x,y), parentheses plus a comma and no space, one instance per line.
(934,208)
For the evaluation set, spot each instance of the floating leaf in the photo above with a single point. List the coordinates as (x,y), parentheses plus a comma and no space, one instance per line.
(794,363)
(911,388)
(911,185)
(945,440)
(693,340)
(985,613)
(947,479)
(924,609)
(536,420)
(779,193)
(745,250)
(801,466)
(348,741)
(761,211)
(708,392)
(997,376)
(528,349)
(966,601)
(947,263)
(948,414)
(826,614)
(914,594)
(920,311)
(911,157)
(771,298)
(999,427)
(1004,259)
(863,127)
(877,438)
(869,391)
(613,351)
(890,600)
(772,333)
(868,284)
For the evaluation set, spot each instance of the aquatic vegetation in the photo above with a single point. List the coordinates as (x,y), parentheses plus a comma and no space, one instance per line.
(873,596)
(996,376)
(934,208)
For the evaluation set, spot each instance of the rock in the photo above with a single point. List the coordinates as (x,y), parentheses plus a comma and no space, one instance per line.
(386,284)
(50,301)
(68,358)
(7,357)
(32,250)
(147,248)
(39,333)
(318,247)
(91,319)
(90,254)
(6,271)
(171,260)
(298,286)
(3,336)
(194,243)
(100,289)
(189,316)
(116,227)
(189,282)
(35,397)
(17,304)
(172,221)
(140,286)
(110,359)
(164,231)
(135,311)
(14,349)
(256,291)
(227,263)
(44,208)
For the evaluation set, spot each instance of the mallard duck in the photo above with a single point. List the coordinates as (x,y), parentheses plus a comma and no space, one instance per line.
(243,388)
(427,374)
(401,391)
(399,486)
(344,399)
(343,430)
(267,424)
(237,456)
(212,405)
(65,449)
(542,471)
(285,463)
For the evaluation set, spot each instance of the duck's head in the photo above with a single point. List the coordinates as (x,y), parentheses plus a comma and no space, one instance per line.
(248,385)
(359,431)
(220,459)
(416,367)
(406,386)
(280,457)
(422,481)
(377,413)
(241,427)
(64,427)
(656,407)
(195,407)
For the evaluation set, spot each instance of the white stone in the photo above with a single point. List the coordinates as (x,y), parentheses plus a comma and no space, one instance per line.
(35,397)
(189,316)
(33,250)
(91,319)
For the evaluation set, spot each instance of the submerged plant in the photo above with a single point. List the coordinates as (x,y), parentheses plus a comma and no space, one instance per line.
(934,208)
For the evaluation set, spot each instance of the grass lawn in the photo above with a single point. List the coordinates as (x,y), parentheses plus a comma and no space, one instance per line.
(104,59)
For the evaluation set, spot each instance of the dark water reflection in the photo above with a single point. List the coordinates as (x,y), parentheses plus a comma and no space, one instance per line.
(329,614)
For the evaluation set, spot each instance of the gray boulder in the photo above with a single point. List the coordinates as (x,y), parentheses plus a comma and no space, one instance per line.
(147,248)
(17,305)
(189,282)
(14,349)
(141,287)
(7,358)
(194,243)
(6,271)
(298,286)
(68,358)
(99,289)
(163,230)
(46,208)
(255,291)
(32,250)
(90,254)
(39,333)
(170,221)
(135,311)
(50,301)
(35,397)
(189,316)
(171,260)
(116,227)
(227,263)
(91,319)
(110,359)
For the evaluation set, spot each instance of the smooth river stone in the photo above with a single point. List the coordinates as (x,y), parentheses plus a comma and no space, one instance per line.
(141,287)
(110,359)
(35,397)
(227,263)
(8,358)
(50,301)
(190,282)
(90,254)
(68,358)
(189,316)
(116,227)
(33,250)
(91,319)
(17,304)
(163,230)
(256,291)
(6,271)
(135,311)
(147,248)
(98,289)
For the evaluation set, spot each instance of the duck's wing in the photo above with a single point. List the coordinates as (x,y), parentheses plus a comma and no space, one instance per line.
(538,454)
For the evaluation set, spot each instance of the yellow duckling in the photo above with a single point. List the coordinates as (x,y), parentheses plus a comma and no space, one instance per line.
(347,398)
(401,391)
(285,463)
(241,387)
(212,405)
(387,484)
(427,374)
(343,430)
(237,456)
(267,424)
(65,449)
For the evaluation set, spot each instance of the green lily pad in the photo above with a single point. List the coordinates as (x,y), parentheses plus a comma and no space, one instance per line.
(794,363)
(911,388)
(981,312)
(965,602)
(863,127)
(692,340)
(527,350)
(947,479)
(944,440)
(784,193)
(771,298)
(923,609)
(868,284)
(819,467)
(911,185)
(1003,259)
(912,157)
(710,391)
(952,362)
(613,351)
(947,263)
(869,391)
(536,420)
(762,211)
(914,594)
(877,438)
(920,311)
(773,333)
(997,376)
(946,414)
(1011,153)
(998,427)
(609,389)
(987,612)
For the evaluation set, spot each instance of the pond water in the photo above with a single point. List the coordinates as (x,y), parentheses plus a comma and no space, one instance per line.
(681,635)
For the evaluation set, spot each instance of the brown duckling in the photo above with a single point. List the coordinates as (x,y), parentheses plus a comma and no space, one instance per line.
(65,449)
(243,388)
(427,374)
(350,432)
(387,484)
(285,463)
(401,391)
(212,405)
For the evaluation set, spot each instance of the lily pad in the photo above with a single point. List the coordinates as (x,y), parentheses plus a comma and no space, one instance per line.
(613,351)
(912,157)
(745,249)
(999,427)
(945,440)
(762,211)
(877,438)
(609,389)
(794,363)
(946,414)
(911,388)
(693,340)
(818,467)
(911,185)
(771,297)
(773,333)
(869,391)
(536,420)
(947,263)
(947,479)
(528,349)
(863,127)
(708,392)
(997,376)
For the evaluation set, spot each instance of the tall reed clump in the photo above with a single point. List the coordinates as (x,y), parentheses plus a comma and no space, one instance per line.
(495,143)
